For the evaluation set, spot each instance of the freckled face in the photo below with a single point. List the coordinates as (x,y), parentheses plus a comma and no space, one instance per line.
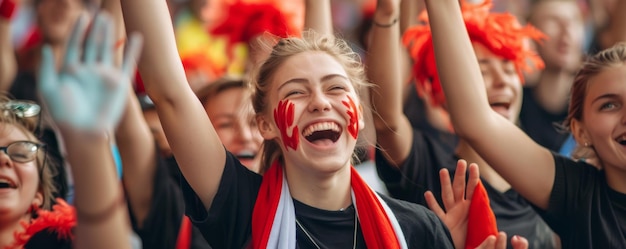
(315,111)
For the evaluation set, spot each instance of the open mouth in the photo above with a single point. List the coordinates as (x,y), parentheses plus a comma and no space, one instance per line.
(319,132)
(500,105)
(246,155)
(5,183)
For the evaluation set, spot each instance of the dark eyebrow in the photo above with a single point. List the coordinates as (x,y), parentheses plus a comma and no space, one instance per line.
(605,96)
(302,80)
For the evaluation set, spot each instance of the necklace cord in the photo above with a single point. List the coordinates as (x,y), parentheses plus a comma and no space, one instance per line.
(356,220)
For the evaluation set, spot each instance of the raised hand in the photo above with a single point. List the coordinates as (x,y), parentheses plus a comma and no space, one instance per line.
(388,6)
(89,91)
(456,200)
(457,197)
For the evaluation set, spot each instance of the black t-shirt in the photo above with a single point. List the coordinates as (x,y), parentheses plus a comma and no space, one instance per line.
(162,225)
(420,172)
(583,209)
(414,109)
(541,125)
(228,223)
(47,239)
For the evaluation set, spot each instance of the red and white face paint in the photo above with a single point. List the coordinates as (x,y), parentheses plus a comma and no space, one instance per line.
(284,117)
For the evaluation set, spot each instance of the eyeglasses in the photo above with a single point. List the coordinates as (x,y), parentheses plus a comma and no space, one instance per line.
(22,151)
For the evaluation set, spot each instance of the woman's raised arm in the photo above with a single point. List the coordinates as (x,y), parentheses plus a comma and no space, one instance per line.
(528,167)
(393,131)
(8,62)
(318,16)
(193,140)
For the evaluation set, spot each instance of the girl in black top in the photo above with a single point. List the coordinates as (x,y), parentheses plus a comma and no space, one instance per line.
(583,204)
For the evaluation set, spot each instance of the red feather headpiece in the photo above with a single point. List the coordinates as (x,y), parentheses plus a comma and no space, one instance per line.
(62,219)
(501,33)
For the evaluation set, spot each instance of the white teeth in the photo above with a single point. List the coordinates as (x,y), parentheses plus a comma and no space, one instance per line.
(4,181)
(246,154)
(321,127)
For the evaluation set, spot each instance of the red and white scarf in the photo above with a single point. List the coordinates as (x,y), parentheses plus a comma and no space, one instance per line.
(274,217)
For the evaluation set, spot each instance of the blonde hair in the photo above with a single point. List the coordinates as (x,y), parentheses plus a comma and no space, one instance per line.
(283,50)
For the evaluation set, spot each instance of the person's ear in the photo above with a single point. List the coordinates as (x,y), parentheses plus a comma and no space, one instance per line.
(267,128)
(38,200)
(580,133)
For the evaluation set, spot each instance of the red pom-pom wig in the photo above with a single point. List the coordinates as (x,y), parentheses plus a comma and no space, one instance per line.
(501,33)
(246,20)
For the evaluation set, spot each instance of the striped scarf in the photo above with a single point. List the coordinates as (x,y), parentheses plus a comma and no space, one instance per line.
(274,217)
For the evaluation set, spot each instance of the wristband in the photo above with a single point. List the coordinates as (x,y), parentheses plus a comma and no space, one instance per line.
(385,25)
(7,9)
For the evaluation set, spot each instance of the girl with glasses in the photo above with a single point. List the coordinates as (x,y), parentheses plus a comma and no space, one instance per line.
(84,114)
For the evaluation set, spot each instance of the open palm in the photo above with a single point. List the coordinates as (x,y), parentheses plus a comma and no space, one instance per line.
(456,200)
(88,93)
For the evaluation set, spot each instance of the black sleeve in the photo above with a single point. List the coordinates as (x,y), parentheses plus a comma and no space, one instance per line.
(162,224)
(47,238)
(228,223)
(573,184)
(420,170)
(421,227)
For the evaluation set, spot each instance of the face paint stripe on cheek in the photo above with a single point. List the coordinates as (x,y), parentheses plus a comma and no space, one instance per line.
(353,126)
(284,116)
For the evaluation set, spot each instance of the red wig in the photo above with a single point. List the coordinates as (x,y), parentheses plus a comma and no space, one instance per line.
(501,33)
